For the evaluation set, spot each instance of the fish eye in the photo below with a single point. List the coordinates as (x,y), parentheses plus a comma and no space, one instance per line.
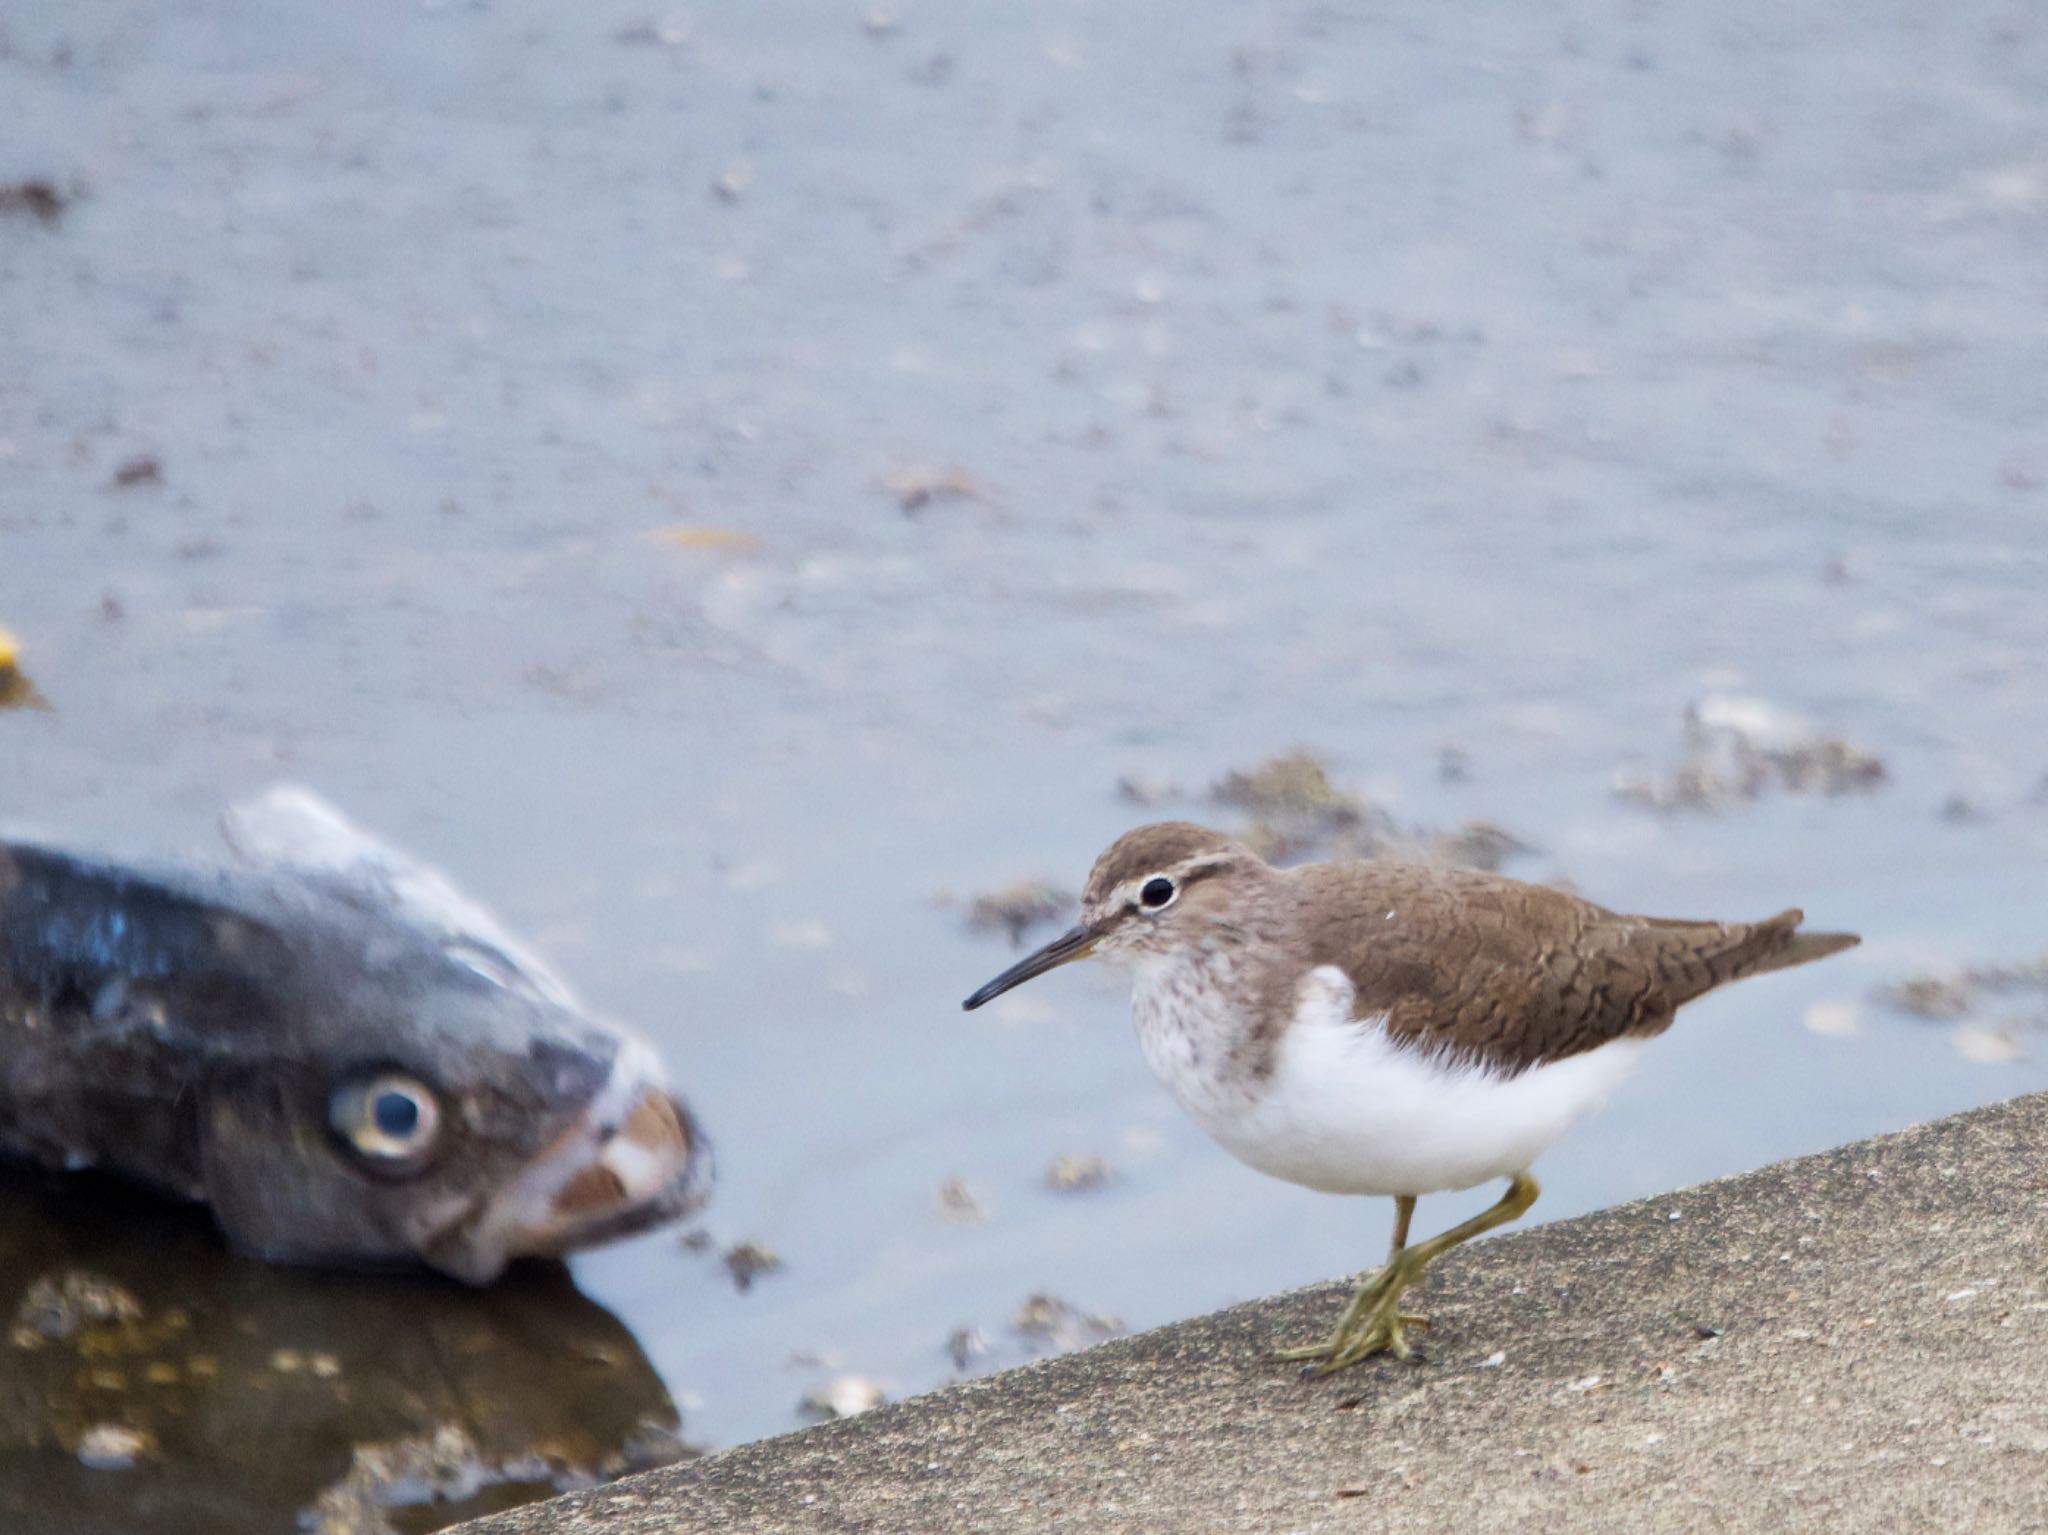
(1157,894)
(389,1120)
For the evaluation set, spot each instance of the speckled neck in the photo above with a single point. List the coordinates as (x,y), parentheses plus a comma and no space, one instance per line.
(1209,1012)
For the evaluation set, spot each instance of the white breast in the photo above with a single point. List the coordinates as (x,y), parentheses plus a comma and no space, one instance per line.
(1347,1111)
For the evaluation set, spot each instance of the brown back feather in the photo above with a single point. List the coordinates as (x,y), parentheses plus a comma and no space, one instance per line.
(1476,967)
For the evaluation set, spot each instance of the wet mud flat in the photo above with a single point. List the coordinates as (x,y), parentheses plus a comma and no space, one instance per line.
(763,498)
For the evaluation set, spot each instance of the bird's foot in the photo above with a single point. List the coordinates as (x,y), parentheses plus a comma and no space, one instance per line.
(1373,1323)
(1387,1336)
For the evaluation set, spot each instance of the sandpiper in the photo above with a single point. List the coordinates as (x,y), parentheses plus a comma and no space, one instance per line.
(1387,1028)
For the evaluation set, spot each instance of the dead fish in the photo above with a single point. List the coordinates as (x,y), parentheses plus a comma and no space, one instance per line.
(343,1057)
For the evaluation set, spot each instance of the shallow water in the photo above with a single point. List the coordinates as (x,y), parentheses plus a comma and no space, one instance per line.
(1506,382)
(154,1381)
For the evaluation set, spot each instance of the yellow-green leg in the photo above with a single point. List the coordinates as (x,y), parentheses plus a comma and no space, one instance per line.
(1372,1322)
(1404,1212)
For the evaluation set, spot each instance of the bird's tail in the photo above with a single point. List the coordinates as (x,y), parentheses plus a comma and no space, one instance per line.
(1698,956)
(1796,948)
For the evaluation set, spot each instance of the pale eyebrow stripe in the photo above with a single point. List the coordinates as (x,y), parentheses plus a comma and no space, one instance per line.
(1185,873)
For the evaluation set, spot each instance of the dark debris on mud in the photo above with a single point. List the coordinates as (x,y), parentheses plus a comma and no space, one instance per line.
(1735,750)
(1989,1011)
(1070,1174)
(1296,812)
(1051,1324)
(1015,909)
(55,1306)
(1944,996)
(36,197)
(747,1261)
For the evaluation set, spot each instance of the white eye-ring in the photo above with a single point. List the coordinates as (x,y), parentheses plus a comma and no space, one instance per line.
(1157,893)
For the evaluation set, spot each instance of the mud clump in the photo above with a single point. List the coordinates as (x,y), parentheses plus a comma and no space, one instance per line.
(1295,808)
(1937,998)
(58,1306)
(848,1396)
(35,198)
(1015,909)
(448,1466)
(747,1261)
(965,1345)
(1050,1323)
(1944,996)
(959,1205)
(917,486)
(1477,845)
(1739,749)
(444,1466)
(1148,790)
(1297,812)
(143,469)
(1960,999)
(1074,1175)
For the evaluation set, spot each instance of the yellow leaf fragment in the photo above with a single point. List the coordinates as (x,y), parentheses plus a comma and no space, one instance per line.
(704,538)
(16,691)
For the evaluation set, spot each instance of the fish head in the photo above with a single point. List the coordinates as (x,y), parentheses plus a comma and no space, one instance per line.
(427,1111)
(347,1060)
(442,1095)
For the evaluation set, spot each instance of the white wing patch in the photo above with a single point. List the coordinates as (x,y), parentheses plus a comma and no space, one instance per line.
(296,829)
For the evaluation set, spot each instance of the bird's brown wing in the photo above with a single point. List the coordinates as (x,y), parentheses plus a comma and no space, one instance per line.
(1475,967)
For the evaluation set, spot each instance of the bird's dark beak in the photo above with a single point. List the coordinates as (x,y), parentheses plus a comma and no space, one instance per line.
(1075,943)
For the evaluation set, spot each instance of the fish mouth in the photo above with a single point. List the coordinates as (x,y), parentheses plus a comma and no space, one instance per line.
(634,1159)
(1075,943)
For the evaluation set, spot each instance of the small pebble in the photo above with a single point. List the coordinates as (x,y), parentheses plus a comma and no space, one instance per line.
(1140,789)
(1063,1325)
(957,1204)
(1071,1174)
(143,469)
(964,1345)
(846,1397)
(1986,1046)
(111,1447)
(57,1305)
(1836,1020)
(746,1260)
(917,485)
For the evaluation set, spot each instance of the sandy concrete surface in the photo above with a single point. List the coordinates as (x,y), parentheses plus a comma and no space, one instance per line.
(1854,1340)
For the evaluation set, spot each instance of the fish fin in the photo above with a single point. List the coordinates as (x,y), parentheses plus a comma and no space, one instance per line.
(295,828)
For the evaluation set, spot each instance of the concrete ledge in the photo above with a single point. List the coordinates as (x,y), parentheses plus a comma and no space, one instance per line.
(1855,1340)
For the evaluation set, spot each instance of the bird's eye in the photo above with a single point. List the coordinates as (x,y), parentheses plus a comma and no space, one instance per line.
(1158,893)
(389,1120)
